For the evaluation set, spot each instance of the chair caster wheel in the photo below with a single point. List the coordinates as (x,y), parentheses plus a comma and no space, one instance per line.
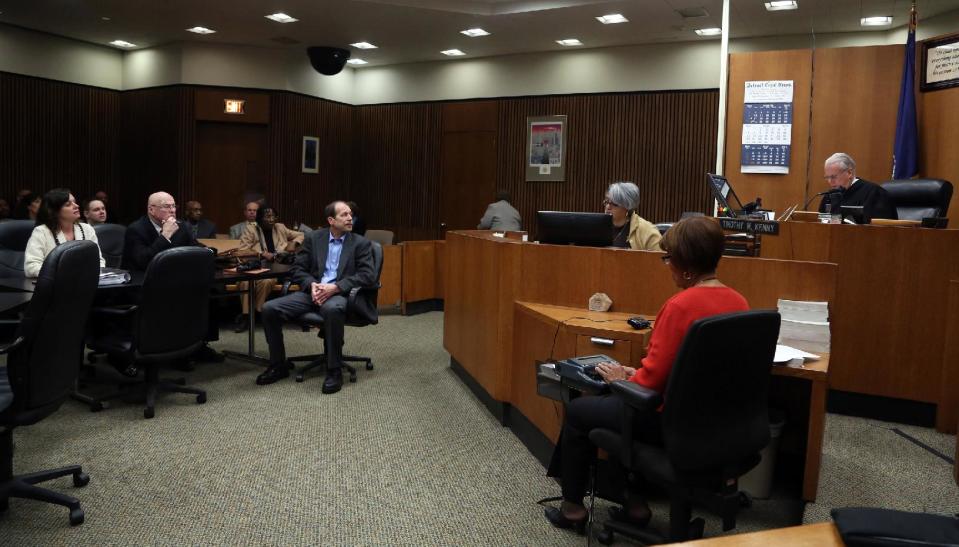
(745,500)
(81,479)
(148,413)
(352,378)
(290,364)
(96,407)
(369,366)
(697,527)
(299,377)
(605,537)
(201,399)
(76,517)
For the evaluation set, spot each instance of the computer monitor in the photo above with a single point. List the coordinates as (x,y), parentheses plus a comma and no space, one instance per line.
(565,228)
(724,194)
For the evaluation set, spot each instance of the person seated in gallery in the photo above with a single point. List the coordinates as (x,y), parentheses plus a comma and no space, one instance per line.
(693,248)
(95,212)
(249,219)
(193,221)
(269,239)
(629,229)
(839,172)
(28,205)
(58,221)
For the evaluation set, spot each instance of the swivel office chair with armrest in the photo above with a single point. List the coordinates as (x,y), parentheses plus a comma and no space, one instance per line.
(111,239)
(353,319)
(42,366)
(14,235)
(916,199)
(714,420)
(168,323)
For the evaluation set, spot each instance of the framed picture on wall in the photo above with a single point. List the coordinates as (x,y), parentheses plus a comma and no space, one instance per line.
(940,63)
(546,138)
(311,155)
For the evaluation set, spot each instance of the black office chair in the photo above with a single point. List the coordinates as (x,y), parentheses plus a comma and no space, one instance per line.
(111,239)
(312,319)
(42,366)
(916,199)
(14,235)
(169,322)
(715,422)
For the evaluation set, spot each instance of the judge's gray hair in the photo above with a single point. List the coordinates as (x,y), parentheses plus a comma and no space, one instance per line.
(844,160)
(624,194)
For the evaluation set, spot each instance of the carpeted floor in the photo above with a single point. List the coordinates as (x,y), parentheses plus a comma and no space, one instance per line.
(405,456)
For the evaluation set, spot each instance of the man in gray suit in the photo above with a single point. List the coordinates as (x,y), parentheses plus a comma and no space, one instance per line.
(236,231)
(331,263)
(501,216)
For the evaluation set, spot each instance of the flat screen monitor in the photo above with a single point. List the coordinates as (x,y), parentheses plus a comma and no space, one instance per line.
(565,228)
(724,194)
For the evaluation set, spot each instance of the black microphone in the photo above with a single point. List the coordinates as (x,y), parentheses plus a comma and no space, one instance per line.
(836,191)
(752,206)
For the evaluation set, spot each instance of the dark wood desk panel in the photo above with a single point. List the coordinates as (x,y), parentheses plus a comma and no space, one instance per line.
(889,313)
(948,415)
(560,274)
(391,278)
(419,270)
(824,534)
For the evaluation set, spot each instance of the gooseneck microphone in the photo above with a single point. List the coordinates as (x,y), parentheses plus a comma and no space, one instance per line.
(835,191)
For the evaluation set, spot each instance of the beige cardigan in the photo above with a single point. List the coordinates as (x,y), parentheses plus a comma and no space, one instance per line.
(643,234)
(284,239)
(41,243)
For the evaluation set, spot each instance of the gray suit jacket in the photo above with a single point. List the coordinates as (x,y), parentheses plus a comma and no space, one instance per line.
(355,270)
(501,216)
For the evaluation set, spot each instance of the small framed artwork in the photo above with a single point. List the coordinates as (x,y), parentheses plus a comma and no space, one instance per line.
(940,63)
(311,155)
(546,148)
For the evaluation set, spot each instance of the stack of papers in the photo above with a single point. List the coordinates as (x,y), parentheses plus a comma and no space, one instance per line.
(113,276)
(790,356)
(805,324)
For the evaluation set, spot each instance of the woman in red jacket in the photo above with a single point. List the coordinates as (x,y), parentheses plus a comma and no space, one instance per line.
(693,249)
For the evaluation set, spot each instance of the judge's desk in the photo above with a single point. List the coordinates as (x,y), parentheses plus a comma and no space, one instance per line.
(893,310)
(504,310)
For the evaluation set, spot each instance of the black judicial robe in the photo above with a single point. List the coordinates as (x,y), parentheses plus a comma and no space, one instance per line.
(875,201)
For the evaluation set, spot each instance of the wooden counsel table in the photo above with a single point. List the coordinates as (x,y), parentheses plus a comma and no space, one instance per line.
(823,534)
(486,276)
(891,312)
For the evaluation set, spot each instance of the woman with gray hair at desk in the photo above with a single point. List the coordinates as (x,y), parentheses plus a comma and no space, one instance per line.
(629,229)
(693,249)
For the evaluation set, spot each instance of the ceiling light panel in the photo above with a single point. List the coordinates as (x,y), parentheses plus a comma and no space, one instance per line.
(879,21)
(363,45)
(782,5)
(122,43)
(200,30)
(709,31)
(356,61)
(612,19)
(281,18)
(453,52)
(474,32)
(569,42)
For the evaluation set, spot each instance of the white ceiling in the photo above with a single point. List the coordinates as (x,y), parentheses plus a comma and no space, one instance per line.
(417,30)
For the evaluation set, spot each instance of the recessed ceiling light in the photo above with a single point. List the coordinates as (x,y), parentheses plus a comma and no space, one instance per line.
(876,21)
(102,18)
(363,45)
(356,61)
(281,18)
(569,42)
(453,52)
(122,43)
(474,32)
(200,30)
(781,5)
(612,19)
(709,31)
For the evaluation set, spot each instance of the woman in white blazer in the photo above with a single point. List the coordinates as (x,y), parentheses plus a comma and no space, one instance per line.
(58,221)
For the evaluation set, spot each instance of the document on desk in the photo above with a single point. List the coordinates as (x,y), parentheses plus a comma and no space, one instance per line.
(113,276)
(790,356)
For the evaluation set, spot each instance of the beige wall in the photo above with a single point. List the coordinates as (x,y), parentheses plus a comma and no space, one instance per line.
(48,56)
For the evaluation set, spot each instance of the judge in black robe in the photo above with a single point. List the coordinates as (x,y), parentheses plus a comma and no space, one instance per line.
(840,173)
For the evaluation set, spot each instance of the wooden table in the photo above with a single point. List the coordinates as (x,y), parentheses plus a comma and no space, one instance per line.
(543,332)
(823,534)
(485,277)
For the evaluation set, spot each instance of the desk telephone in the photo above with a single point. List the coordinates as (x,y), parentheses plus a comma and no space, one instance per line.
(580,372)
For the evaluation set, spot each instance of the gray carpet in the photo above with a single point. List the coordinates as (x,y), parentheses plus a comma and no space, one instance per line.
(405,456)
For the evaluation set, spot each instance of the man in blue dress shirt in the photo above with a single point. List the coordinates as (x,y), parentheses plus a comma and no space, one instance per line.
(332,262)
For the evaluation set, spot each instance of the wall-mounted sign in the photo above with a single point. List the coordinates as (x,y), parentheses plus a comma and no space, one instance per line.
(233,106)
(767,127)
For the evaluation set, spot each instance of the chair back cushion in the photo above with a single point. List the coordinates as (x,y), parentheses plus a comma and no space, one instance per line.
(111,239)
(383,237)
(44,368)
(916,199)
(172,317)
(14,235)
(715,414)
(364,310)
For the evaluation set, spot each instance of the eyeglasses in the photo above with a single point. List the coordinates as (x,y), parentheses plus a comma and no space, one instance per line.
(666,258)
(607,202)
(167,206)
(834,177)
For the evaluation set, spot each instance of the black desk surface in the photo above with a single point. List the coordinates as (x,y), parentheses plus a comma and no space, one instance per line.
(10,301)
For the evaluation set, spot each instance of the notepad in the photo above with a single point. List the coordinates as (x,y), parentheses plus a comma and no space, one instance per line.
(790,356)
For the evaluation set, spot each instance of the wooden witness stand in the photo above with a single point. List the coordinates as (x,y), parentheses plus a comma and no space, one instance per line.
(510,303)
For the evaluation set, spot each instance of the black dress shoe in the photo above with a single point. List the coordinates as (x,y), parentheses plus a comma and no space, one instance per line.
(556,517)
(208,355)
(620,514)
(241,324)
(272,374)
(334,380)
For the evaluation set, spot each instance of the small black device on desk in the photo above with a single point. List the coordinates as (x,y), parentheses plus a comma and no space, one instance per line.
(638,323)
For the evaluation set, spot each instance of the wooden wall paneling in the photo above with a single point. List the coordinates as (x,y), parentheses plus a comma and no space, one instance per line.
(419,271)
(439,266)
(947,413)
(938,133)
(795,280)
(665,142)
(636,281)
(231,165)
(396,167)
(57,134)
(301,197)
(854,106)
(778,191)
(391,278)
(807,241)
(559,274)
